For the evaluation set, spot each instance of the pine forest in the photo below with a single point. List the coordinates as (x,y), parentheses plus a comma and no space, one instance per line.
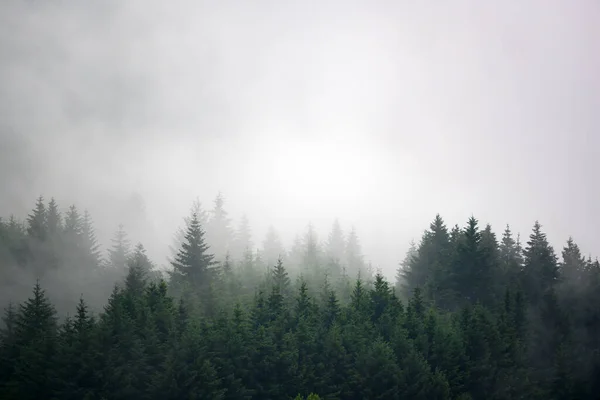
(475,312)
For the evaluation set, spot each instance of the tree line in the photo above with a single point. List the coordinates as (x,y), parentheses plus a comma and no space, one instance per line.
(470,316)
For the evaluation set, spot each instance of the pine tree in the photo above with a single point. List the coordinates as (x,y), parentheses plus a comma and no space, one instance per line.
(179,236)
(119,253)
(510,259)
(243,239)
(335,247)
(404,270)
(37,226)
(572,268)
(218,229)
(88,242)
(311,250)
(77,363)
(540,265)
(193,267)
(430,270)
(280,278)
(272,247)
(73,223)
(296,253)
(53,218)
(354,256)
(489,287)
(36,329)
(468,264)
(139,270)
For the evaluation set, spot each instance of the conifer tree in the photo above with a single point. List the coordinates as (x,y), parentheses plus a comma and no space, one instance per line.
(312,250)
(53,218)
(179,236)
(139,269)
(119,253)
(489,287)
(73,223)
(540,265)
(430,270)
(404,270)
(37,226)
(36,329)
(468,264)
(354,257)
(280,279)
(510,258)
(243,239)
(296,253)
(335,247)
(193,266)
(573,266)
(219,234)
(88,242)
(272,247)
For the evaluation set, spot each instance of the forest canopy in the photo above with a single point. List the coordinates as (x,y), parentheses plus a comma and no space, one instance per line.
(472,314)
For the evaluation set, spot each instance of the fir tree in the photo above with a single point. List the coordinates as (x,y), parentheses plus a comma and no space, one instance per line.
(280,278)
(272,247)
(510,259)
(335,247)
(404,271)
(218,229)
(243,239)
(540,265)
(119,253)
(311,250)
(36,329)
(572,268)
(53,218)
(139,270)
(88,242)
(37,226)
(194,265)
(353,254)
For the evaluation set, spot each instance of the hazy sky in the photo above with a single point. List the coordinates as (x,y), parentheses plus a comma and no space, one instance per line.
(380,113)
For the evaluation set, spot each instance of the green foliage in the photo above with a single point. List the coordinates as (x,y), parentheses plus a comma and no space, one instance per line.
(469,317)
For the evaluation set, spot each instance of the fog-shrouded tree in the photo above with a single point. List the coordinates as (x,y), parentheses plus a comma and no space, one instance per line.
(273,248)
(219,234)
(193,266)
(336,244)
(179,236)
(37,224)
(354,258)
(404,269)
(573,265)
(311,249)
(242,240)
(431,270)
(473,317)
(120,250)
(53,218)
(89,242)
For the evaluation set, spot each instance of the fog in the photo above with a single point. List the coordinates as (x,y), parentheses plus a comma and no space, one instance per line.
(379,113)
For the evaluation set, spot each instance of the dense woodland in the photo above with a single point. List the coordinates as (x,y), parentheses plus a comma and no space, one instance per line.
(471,315)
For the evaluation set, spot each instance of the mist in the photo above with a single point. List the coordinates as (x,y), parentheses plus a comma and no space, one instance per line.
(380,114)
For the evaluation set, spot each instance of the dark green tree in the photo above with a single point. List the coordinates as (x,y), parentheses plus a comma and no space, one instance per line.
(193,266)
(541,271)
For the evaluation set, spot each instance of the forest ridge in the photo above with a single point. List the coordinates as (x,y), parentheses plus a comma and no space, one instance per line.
(471,315)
